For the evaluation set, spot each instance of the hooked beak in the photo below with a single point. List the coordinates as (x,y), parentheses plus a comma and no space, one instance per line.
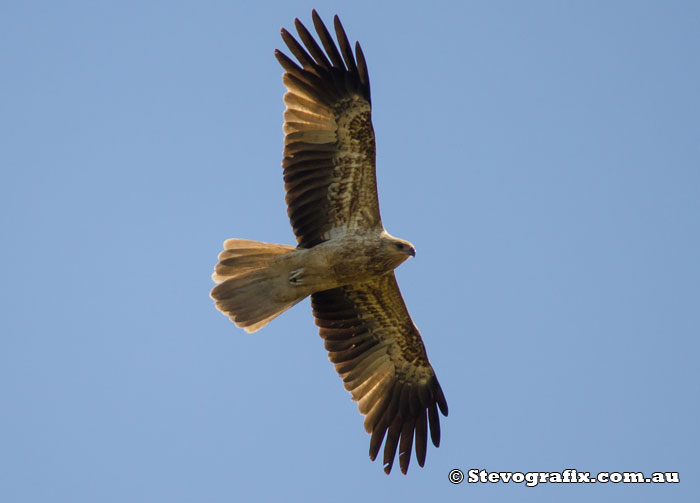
(412,251)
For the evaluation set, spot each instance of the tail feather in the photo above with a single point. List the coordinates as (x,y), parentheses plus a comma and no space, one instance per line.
(253,287)
(242,255)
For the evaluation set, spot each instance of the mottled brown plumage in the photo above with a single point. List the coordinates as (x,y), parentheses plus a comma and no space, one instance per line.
(344,258)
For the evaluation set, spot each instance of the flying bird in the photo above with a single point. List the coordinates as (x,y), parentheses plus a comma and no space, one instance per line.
(344,258)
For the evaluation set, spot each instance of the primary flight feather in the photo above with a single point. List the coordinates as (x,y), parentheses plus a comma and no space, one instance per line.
(344,258)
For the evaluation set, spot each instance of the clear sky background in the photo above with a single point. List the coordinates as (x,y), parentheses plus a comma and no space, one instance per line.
(543,156)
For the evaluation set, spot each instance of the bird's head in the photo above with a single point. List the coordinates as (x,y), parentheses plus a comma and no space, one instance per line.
(397,250)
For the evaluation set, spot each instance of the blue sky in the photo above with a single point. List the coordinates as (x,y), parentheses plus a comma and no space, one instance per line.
(544,158)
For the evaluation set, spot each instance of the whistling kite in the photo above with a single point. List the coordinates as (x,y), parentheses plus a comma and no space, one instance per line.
(344,258)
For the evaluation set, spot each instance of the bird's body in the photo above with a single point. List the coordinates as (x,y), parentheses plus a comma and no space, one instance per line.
(344,258)
(292,274)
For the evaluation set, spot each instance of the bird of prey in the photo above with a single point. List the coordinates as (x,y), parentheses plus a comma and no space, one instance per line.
(344,258)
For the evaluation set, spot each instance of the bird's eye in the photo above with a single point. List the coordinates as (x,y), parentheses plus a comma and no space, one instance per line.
(399,246)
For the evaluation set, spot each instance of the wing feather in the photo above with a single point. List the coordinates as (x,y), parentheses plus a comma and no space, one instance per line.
(306,61)
(421,438)
(406,442)
(392,441)
(345,48)
(362,66)
(328,119)
(379,354)
(327,40)
(308,40)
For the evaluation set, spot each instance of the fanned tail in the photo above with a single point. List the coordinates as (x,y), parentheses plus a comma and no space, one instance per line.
(253,285)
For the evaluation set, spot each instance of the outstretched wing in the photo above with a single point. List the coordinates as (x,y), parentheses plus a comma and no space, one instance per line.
(379,353)
(329,149)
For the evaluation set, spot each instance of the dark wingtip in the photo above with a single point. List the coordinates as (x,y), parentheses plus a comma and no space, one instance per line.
(375,442)
(315,17)
(404,464)
(441,401)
